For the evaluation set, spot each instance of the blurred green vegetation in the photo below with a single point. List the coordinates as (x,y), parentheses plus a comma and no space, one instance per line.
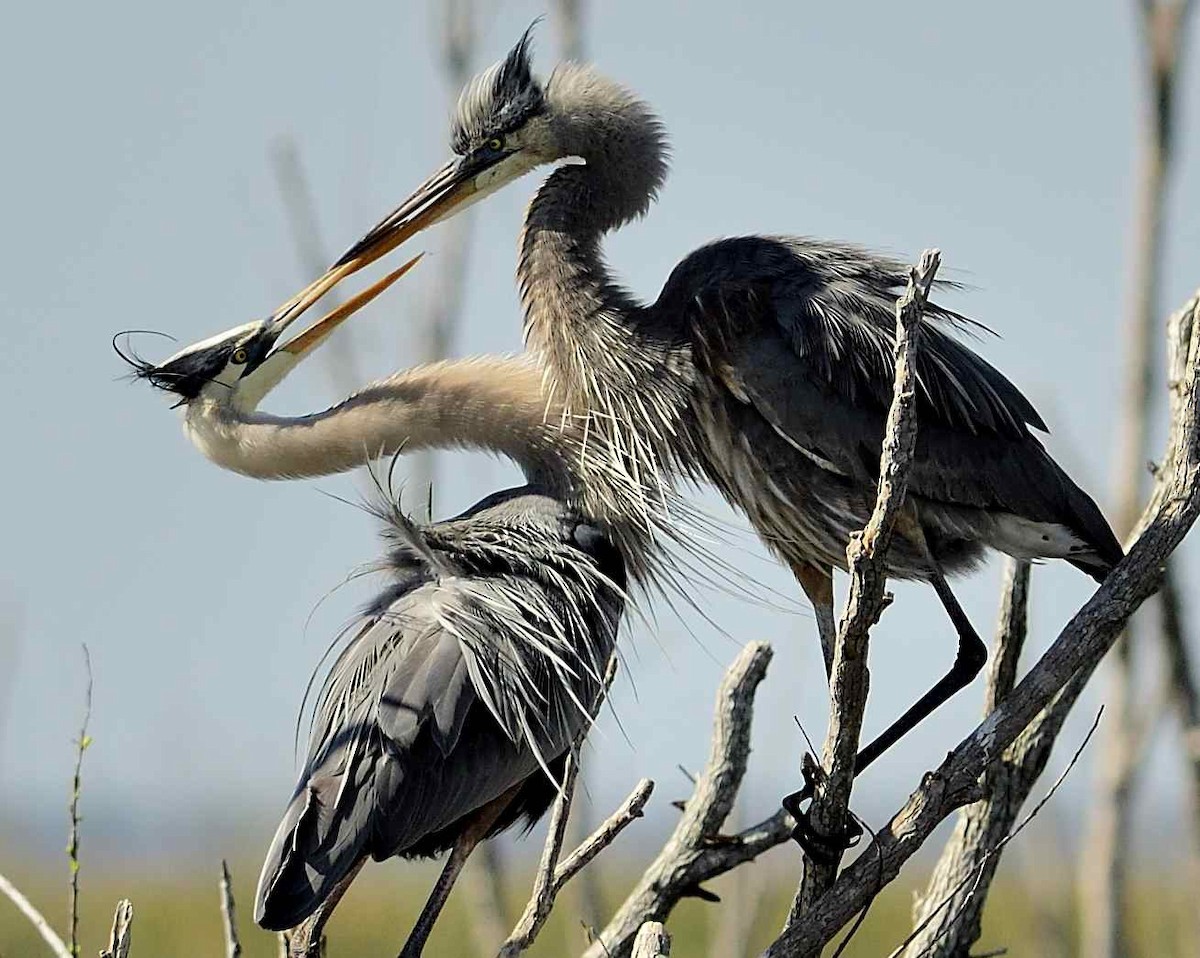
(177,914)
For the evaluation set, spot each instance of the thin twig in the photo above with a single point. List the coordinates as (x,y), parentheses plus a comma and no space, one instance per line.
(604,835)
(233,947)
(696,850)
(552,876)
(867,560)
(35,917)
(81,745)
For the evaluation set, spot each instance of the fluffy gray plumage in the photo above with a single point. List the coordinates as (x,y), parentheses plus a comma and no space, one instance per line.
(472,673)
(500,99)
(765,365)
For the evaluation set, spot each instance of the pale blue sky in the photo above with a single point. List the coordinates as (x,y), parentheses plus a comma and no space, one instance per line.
(137,192)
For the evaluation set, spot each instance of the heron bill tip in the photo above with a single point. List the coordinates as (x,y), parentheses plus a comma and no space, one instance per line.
(318,331)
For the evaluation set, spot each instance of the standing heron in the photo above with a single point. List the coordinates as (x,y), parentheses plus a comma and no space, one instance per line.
(764,365)
(450,713)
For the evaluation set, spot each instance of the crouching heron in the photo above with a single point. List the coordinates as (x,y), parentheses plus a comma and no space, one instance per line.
(450,712)
(764,365)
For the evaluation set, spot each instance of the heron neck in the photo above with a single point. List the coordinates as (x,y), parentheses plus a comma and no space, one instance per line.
(580,321)
(491,404)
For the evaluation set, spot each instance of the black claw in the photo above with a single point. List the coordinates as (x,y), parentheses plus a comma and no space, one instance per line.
(821,848)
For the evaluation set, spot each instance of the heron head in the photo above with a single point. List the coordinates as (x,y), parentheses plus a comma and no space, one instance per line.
(506,123)
(240,366)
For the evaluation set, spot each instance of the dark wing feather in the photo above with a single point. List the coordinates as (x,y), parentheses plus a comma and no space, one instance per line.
(834,307)
(805,335)
(404,746)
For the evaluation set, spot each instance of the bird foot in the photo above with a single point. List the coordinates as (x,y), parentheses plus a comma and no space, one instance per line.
(823,848)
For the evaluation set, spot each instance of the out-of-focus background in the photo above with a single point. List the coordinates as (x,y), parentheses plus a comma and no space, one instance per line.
(140,189)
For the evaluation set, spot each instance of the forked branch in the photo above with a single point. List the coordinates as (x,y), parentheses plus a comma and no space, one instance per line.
(1170,514)
(867,560)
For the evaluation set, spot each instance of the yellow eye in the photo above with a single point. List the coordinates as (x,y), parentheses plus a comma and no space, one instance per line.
(240,355)
(496,143)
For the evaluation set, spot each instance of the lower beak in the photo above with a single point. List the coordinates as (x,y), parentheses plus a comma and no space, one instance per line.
(318,331)
(435,199)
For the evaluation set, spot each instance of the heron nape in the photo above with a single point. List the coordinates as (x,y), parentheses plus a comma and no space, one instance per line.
(764,365)
(450,712)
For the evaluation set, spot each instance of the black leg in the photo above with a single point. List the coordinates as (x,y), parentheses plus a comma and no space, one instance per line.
(970,658)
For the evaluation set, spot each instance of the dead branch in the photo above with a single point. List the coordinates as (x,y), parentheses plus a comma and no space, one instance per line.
(955,902)
(1104,863)
(483,891)
(652,941)
(949,915)
(552,875)
(81,745)
(568,16)
(233,946)
(35,918)
(121,936)
(696,850)
(867,560)
(980,826)
(311,254)
(1075,653)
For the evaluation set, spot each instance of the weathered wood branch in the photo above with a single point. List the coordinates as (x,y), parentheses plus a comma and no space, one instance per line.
(120,939)
(233,944)
(696,850)
(962,896)
(35,918)
(652,941)
(1173,508)
(867,561)
(1105,860)
(948,916)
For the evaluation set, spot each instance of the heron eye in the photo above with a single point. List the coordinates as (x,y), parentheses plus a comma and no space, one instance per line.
(496,144)
(240,355)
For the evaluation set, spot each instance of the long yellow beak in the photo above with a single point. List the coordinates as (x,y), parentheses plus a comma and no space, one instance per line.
(435,199)
(318,331)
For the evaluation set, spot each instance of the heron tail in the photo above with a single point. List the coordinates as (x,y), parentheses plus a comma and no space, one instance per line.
(314,849)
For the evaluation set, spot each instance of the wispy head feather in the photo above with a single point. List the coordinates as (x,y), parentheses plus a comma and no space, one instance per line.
(500,99)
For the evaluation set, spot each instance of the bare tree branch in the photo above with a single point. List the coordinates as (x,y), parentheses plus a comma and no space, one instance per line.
(696,850)
(867,559)
(81,745)
(1104,863)
(965,894)
(568,15)
(1170,514)
(552,875)
(483,887)
(233,946)
(121,937)
(652,941)
(311,253)
(949,914)
(35,918)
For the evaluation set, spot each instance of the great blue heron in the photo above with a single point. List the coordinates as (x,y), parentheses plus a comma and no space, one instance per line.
(450,713)
(764,364)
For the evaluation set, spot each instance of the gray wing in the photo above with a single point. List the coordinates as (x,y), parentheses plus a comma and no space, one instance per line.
(405,744)
(804,334)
